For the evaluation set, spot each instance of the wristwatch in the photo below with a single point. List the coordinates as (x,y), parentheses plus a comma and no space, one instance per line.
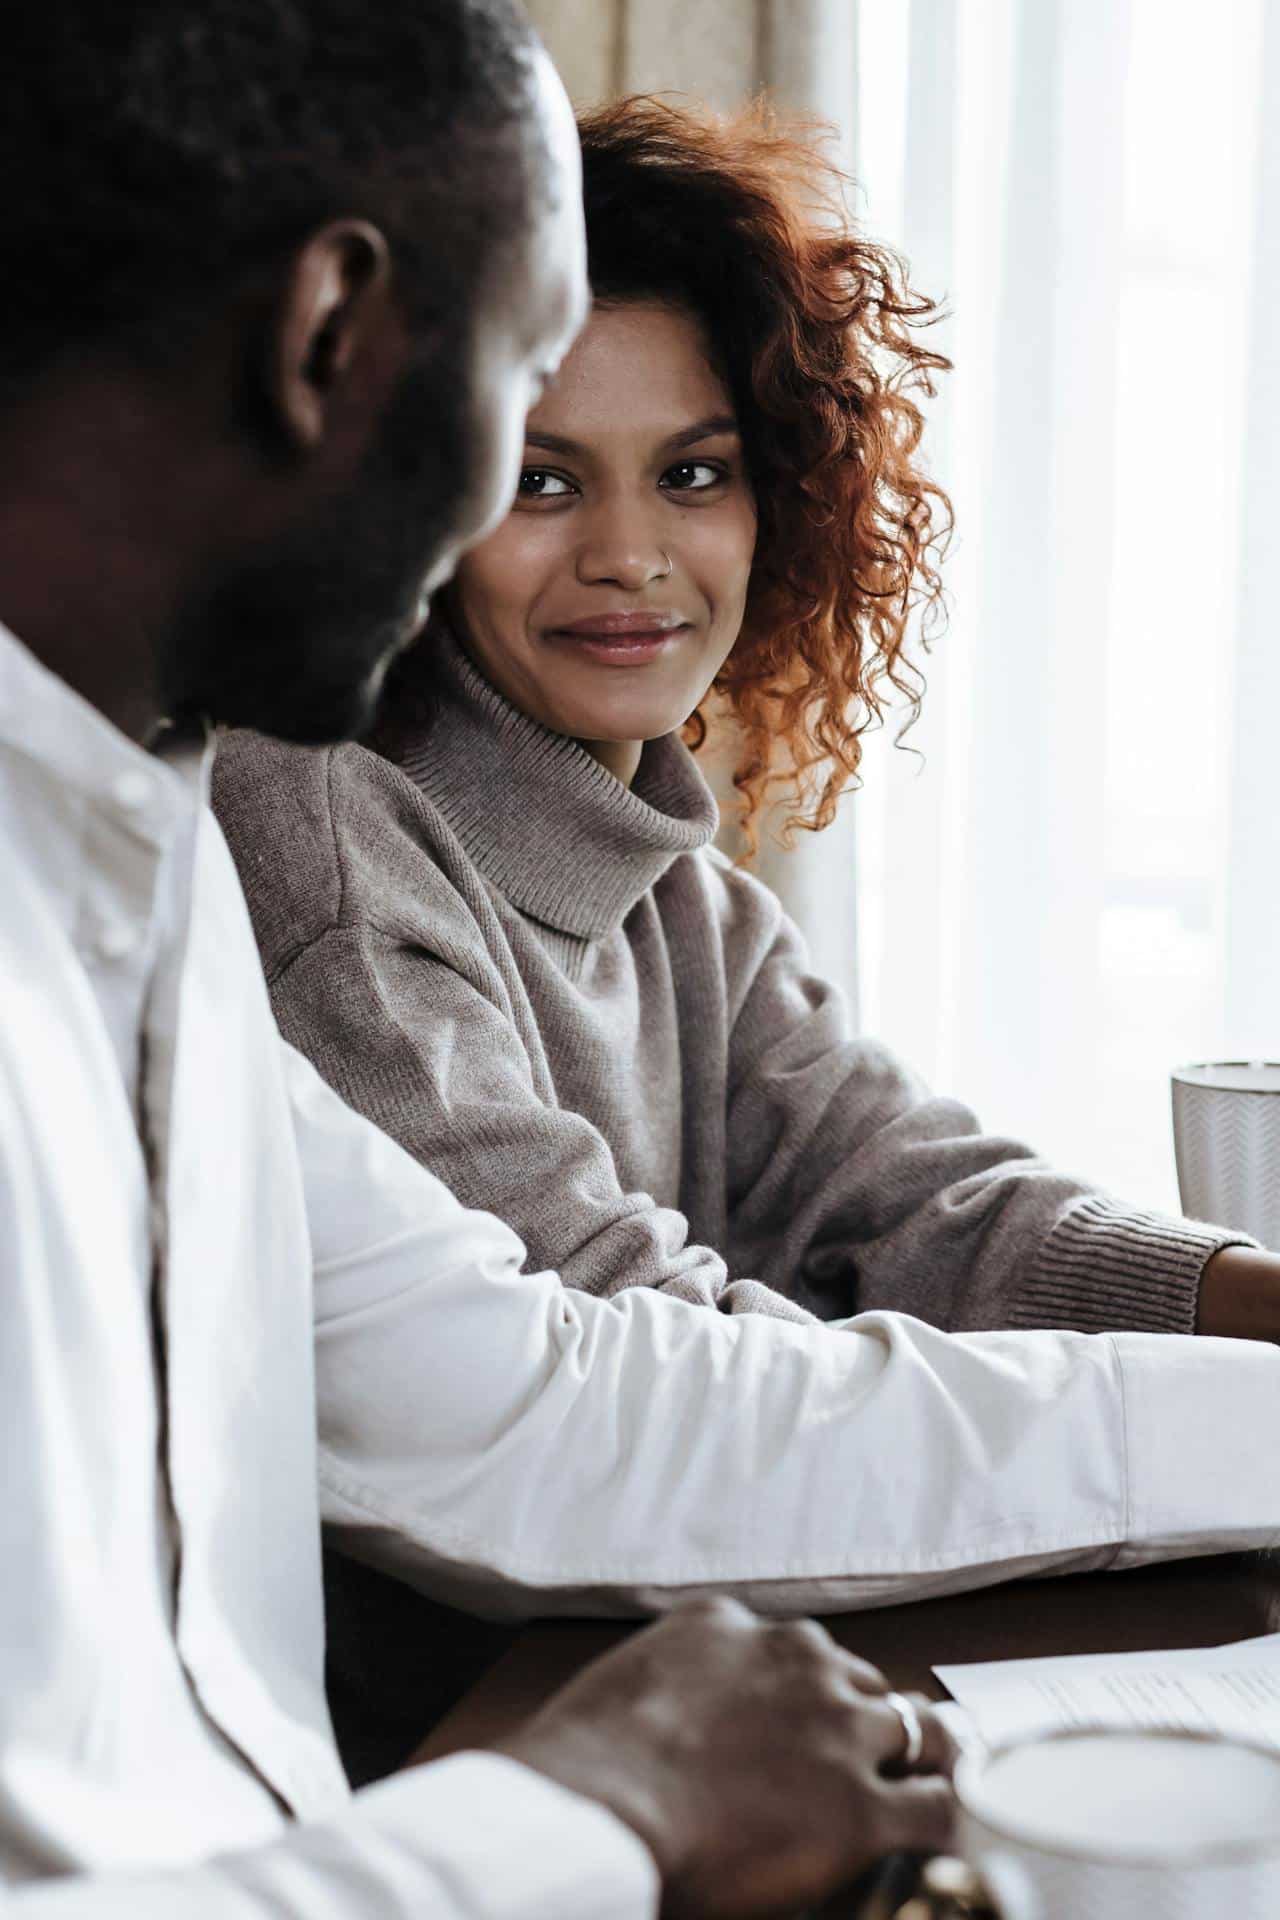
(948,1890)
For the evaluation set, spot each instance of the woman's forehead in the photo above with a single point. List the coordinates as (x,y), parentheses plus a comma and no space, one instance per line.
(638,369)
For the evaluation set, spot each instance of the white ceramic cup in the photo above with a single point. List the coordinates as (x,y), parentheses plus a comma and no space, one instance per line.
(1226,1139)
(1110,1825)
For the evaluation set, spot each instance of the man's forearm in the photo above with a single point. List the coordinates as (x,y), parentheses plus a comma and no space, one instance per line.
(475,1838)
(504,1442)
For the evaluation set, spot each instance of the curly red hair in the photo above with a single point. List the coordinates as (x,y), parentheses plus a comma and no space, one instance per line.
(742,221)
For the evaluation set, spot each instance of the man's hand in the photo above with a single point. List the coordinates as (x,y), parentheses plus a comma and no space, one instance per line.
(759,1763)
(1240,1295)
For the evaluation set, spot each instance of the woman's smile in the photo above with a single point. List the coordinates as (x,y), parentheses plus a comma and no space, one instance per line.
(628,639)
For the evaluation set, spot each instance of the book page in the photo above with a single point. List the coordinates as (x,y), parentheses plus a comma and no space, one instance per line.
(1227,1690)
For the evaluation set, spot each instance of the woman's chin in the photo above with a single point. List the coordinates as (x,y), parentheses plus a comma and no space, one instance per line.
(627,714)
(611,729)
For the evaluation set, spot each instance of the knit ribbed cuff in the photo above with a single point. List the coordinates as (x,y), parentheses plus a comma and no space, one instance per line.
(752,1296)
(1105,1268)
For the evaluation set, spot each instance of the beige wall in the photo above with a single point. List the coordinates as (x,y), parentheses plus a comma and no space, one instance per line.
(608,47)
(721,51)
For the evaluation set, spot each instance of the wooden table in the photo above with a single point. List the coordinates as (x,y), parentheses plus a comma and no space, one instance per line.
(1188,1603)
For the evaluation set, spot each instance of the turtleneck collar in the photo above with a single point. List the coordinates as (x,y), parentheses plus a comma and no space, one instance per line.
(561,838)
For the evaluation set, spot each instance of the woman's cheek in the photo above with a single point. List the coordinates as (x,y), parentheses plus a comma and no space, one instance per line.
(497,581)
(541,551)
(725,546)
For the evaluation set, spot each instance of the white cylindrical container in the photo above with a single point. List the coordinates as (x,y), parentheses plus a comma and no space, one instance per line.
(1111,1825)
(1226,1138)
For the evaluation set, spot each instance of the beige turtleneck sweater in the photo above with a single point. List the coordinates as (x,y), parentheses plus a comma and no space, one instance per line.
(554,993)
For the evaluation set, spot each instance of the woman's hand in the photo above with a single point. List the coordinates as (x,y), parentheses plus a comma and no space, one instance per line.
(760,1763)
(1240,1295)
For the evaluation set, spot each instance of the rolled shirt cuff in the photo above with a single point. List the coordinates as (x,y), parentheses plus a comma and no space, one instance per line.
(1200,1422)
(1105,1268)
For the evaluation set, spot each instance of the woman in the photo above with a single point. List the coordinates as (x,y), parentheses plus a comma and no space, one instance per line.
(505,935)
(502,932)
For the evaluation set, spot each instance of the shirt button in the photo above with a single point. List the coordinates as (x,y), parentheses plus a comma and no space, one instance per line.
(131,791)
(114,940)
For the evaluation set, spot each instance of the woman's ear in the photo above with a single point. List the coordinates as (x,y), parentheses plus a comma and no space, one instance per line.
(335,306)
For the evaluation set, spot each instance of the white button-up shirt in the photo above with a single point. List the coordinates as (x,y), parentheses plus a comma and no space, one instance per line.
(201,1244)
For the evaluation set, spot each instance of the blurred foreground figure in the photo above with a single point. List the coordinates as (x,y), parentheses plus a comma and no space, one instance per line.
(284,279)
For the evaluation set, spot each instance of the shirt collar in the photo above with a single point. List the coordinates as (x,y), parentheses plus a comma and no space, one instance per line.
(553,830)
(46,723)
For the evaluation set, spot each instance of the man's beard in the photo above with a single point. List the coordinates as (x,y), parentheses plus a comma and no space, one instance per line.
(295,639)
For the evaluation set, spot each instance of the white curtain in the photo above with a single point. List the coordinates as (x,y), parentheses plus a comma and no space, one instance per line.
(1079,887)
(1074,882)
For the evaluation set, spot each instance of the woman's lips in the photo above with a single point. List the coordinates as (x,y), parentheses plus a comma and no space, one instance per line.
(622,637)
(633,620)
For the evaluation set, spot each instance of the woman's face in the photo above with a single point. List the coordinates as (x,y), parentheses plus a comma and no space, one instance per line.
(606,601)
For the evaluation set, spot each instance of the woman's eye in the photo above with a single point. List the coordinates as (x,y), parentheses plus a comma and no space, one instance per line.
(692,476)
(537,484)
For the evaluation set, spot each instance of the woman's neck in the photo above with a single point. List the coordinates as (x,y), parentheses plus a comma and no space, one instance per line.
(621,758)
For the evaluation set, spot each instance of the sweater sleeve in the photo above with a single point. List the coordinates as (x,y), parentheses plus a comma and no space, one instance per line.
(381,976)
(847,1177)
(423,1045)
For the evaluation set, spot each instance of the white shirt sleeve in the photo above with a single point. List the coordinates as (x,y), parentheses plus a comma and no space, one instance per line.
(477,1837)
(512,1445)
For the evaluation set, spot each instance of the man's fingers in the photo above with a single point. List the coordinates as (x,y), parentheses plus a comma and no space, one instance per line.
(809,1637)
(865,1677)
(718,1610)
(885,1733)
(918,1816)
(939,1752)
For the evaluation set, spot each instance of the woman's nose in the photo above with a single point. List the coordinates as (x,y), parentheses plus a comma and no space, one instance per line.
(620,550)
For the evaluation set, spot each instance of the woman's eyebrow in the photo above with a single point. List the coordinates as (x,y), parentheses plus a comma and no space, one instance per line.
(686,436)
(703,430)
(552,443)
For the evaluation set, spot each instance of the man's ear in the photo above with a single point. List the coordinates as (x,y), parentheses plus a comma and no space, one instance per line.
(334,304)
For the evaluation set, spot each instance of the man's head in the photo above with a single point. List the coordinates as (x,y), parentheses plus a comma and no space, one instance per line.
(340,242)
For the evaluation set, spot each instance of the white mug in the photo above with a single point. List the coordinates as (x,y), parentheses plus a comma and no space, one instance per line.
(1101,1824)
(1226,1139)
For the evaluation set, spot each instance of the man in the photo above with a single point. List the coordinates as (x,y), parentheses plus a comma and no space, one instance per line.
(189,281)
(283,278)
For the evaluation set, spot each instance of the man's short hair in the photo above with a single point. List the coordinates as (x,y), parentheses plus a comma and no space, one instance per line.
(155,152)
